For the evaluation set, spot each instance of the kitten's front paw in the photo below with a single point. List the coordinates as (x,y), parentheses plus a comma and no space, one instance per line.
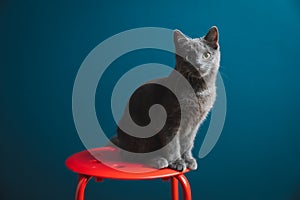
(159,163)
(191,163)
(178,165)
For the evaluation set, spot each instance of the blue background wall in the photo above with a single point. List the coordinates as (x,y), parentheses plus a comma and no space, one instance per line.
(44,42)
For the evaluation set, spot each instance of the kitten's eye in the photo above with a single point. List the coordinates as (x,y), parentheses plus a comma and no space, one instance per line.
(206,55)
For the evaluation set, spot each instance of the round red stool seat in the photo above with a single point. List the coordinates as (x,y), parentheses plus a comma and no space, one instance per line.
(105,163)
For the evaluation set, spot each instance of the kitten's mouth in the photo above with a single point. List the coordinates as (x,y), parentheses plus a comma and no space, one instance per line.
(203,71)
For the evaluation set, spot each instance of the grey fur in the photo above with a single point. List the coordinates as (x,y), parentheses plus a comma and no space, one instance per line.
(198,61)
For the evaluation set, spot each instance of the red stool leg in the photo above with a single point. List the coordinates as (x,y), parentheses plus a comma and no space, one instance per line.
(174,188)
(186,188)
(82,181)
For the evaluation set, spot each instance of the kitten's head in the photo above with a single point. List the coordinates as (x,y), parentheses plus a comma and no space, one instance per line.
(203,54)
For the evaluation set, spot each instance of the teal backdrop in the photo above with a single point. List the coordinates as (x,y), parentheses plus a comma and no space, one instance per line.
(43,44)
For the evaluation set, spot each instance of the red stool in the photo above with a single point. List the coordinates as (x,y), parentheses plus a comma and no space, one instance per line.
(87,167)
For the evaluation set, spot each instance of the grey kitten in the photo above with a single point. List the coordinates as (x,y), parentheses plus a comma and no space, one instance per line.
(170,144)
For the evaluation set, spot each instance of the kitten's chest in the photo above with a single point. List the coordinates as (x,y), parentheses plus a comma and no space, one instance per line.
(194,111)
(197,107)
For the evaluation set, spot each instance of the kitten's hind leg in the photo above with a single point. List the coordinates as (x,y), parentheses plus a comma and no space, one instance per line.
(159,162)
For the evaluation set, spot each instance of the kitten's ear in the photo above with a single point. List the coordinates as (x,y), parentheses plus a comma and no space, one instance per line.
(212,37)
(179,38)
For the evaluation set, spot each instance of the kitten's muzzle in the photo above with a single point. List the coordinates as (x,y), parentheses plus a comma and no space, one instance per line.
(199,67)
(202,68)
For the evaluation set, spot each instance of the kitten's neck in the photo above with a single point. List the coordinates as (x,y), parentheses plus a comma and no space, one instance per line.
(201,85)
